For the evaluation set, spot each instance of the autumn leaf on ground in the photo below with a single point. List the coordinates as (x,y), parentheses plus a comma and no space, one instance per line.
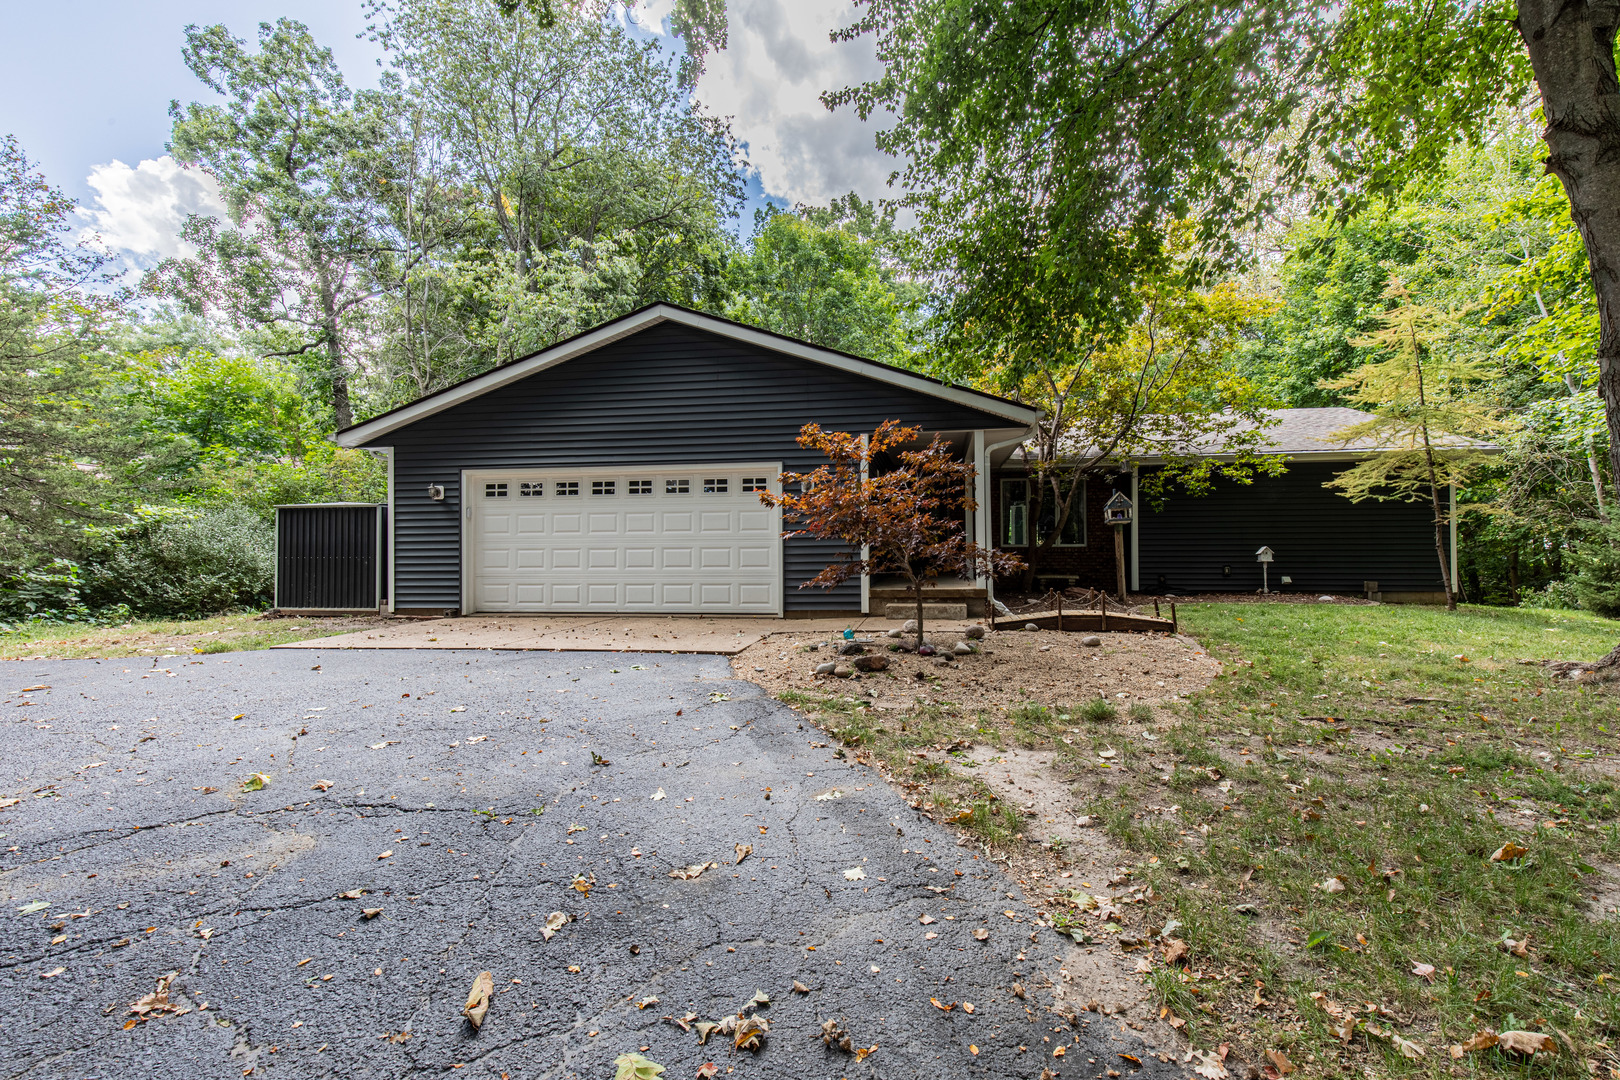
(861,1052)
(385,855)
(33,906)
(658,796)
(352,894)
(385,744)
(707,1070)
(598,759)
(981,934)
(743,851)
(1508,852)
(320,785)
(759,1001)
(1407,1047)
(644,1002)
(1280,1062)
(582,884)
(1482,1040)
(834,1034)
(636,1067)
(696,870)
(255,782)
(751,1032)
(8,802)
(1526,1042)
(1423,971)
(854,873)
(157,1002)
(1209,1065)
(370,912)
(478,999)
(554,922)
(1517,948)
(1332,885)
(705,1028)
(935,1002)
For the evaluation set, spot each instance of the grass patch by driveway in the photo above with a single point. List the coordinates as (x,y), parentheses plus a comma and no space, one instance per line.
(169,637)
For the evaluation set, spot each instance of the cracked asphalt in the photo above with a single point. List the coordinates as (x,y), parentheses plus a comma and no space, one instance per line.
(457,790)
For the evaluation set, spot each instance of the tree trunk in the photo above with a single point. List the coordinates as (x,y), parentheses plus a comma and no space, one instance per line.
(1571,47)
(917,598)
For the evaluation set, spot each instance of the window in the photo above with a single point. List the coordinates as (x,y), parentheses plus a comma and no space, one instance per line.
(677,487)
(1015,513)
(534,489)
(494,491)
(715,486)
(1015,530)
(756,483)
(567,487)
(602,487)
(641,487)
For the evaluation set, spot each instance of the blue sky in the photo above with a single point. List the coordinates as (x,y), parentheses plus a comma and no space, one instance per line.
(89,86)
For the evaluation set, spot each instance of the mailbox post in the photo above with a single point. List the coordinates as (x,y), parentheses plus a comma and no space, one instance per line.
(1118,512)
(1265,556)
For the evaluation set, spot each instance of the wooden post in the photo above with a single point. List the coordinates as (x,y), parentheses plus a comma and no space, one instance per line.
(1060,612)
(1103,605)
(1156,607)
(1173,629)
(1119,561)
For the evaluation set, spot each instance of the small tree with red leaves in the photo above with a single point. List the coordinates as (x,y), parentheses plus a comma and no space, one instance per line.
(908,520)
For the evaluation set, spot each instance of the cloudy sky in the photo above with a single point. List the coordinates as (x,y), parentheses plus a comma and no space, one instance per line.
(88,98)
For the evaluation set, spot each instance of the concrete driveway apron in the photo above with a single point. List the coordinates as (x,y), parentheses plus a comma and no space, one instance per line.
(457,793)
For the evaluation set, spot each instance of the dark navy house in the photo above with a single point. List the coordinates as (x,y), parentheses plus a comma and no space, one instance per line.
(619,471)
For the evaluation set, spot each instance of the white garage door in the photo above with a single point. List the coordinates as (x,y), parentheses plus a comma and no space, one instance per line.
(628,540)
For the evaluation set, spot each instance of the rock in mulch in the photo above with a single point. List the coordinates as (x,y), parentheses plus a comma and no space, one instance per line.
(872,663)
(1091,641)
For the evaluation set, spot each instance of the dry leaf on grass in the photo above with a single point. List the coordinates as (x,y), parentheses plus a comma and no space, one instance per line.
(1280,1062)
(1423,971)
(1209,1065)
(1508,852)
(743,851)
(1175,950)
(696,870)
(1517,948)
(1332,885)
(478,999)
(1407,1047)
(1526,1042)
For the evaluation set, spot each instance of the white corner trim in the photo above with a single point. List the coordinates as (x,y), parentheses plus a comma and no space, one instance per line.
(658,313)
(866,549)
(388,565)
(1452,522)
(1136,530)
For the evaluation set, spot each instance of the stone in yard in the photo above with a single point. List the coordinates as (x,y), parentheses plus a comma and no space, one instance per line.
(943,661)
(1030,626)
(1325,599)
(910,627)
(825,669)
(851,648)
(974,632)
(962,648)
(925,649)
(842,671)
(1091,641)
(872,663)
(896,633)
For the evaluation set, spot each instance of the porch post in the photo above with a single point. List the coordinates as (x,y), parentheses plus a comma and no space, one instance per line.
(979,522)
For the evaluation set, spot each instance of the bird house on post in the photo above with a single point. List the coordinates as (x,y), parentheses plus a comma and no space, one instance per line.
(1265,557)
(1118,512)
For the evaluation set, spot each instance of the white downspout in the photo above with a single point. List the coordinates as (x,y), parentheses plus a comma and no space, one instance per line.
(1456,586)
(979,520)
(866,550)
(990,581)
(1136,530)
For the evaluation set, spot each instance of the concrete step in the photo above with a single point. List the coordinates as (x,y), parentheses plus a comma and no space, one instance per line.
(930,611)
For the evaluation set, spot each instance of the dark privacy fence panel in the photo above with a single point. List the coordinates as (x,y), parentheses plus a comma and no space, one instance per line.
(329,557)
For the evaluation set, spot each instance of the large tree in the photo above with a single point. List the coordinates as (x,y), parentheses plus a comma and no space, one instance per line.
(299,162)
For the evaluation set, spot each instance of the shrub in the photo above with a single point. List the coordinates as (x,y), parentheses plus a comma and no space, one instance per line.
(186,563)
(1596,579)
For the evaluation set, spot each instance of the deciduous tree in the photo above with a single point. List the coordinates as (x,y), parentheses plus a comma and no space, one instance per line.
(904,520)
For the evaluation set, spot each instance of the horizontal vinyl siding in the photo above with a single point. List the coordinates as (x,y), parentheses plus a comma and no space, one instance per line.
(1325,542)
(669,394)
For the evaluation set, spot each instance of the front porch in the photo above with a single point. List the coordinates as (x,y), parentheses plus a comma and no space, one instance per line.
(943,598)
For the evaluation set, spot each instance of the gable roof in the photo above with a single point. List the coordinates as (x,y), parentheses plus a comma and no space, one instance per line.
(654,314)
(1313,431)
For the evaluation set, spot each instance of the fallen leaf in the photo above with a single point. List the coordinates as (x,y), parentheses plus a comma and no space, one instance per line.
(384,745)
(352,894)
(759,1001)
(799,987)
(705,1028)
(598,759)
(743,851)
(1175,950)
(1517,948)
(687,873)
(926,920)
(1209,1065)
(1526,1042)
(967,1007)
(981,934)
(255,782)
(320,785)
(1280,1062)
(861,1052)
(157,1002)
(554,922)
(370,912)
(636,1067)
(707,1070)
(1407,1047)
(1482,1040)
(1423,971)
(478,999)
(386,855)
(658,795)
(751,1032)
(1060,1051)
(53,973)
(582,883)
(1332,885)
(33,906)
(8,802)
(476,738)
(854,873)
(644,1002)
(1508,852)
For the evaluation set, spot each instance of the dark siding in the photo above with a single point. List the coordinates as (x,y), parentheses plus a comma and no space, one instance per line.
(326,557)
(668,394)
(1325,542)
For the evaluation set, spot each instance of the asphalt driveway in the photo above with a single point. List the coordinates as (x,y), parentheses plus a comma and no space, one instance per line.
(458,793)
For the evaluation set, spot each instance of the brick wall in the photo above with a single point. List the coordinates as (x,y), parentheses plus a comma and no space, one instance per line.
(1091,566)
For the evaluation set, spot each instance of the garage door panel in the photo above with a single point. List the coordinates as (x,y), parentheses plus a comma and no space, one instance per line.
(654,540)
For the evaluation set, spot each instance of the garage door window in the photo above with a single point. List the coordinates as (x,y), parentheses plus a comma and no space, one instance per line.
(534,490)
(568,487)
(602,487)
(494,491)
(715,486)
(677,487)
(641,487)
(756,483)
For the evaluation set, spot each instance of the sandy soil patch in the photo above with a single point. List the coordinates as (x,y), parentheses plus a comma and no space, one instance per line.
(1013,666)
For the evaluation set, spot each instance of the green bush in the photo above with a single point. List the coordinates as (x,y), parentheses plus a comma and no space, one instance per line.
(177,563)
(1596,579)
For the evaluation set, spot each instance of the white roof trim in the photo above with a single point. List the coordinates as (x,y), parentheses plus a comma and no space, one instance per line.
(652,316)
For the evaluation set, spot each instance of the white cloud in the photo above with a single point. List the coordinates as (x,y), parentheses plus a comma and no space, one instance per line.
(139,211)
(769,78)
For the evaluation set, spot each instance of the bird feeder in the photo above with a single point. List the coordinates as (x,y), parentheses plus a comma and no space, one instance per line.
(1118,512)
(1265,557)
